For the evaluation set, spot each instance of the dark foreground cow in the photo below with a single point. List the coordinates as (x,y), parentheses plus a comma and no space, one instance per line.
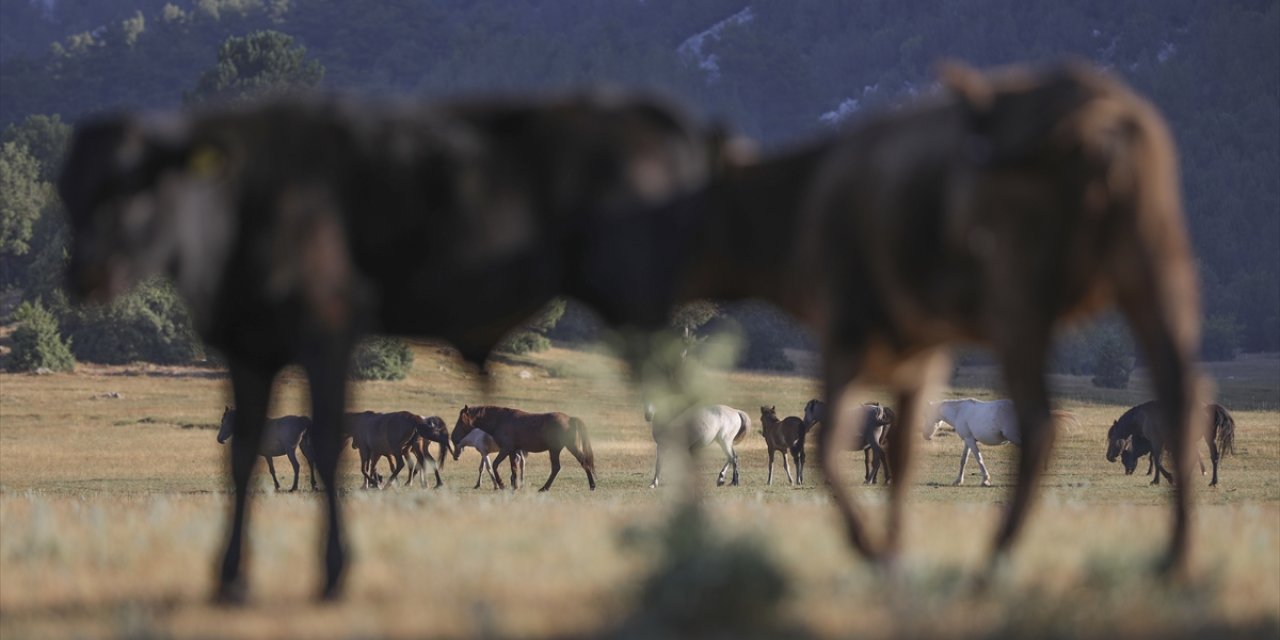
(292,228)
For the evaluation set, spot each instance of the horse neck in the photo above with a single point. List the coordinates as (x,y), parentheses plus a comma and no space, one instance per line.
(749,241)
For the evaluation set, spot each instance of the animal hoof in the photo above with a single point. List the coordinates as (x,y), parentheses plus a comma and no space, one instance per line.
(231,594)
(653,485)
(986,483)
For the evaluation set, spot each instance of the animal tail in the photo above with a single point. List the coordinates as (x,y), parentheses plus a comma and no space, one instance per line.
(580,431)
(742,430)
(1226,427)
(1067,418)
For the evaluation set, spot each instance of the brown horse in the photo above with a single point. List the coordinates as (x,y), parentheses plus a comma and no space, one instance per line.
(872,440)
(514,431)
(394,436)
(281,437)
(785,435)
(291,228)
(1017,201)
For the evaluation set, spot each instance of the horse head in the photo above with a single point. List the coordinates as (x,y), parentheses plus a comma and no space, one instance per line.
(768,415)
(466,422)
(1129,458)
(1119,440)
(815,411)
(228,424)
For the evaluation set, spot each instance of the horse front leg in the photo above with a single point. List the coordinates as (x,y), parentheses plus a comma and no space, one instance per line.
(555,469)
(657,466)
(769,480)
(964,460)
(293,460)
(484,466)
(840,368)
(398,465)
(497,468)
(1024,356)
(251,388)
(327,375)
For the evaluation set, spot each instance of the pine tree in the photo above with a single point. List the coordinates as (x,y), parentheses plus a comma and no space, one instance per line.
(36,343)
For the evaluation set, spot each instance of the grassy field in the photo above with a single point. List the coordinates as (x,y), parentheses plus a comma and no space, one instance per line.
(112,510)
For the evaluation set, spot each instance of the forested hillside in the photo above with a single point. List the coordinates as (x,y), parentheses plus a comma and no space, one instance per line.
(778,71)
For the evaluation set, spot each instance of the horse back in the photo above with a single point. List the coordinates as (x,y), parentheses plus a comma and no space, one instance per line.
(515,429)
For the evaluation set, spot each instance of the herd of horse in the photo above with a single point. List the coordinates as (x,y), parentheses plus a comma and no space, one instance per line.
(990,213)
(403,438)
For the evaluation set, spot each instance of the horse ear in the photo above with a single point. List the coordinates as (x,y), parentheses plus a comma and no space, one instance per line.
(967,83)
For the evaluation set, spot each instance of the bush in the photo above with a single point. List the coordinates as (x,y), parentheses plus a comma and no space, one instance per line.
(1220,340)
(1112,362)
(522,342)
(148,324)
(36,343)
(381,358)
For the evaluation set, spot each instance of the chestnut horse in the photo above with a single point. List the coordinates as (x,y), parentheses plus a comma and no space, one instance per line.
(1018,200)
(281,437)
(291,228)
(514,431)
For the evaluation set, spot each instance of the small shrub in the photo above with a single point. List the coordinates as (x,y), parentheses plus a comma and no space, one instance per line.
(522,342)
(1220,339)
(149,324)
(381,358)
(37,343)
(1112,362)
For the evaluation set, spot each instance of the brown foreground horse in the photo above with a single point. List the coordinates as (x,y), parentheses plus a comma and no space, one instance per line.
(1017,201)
(514,431)
(291,228)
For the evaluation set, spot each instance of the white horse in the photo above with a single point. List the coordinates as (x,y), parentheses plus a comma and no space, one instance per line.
(989,422)
(702,426)
(485,444)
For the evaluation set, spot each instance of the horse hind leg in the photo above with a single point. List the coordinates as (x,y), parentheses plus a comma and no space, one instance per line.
(785,468)
(982,464)
(293,460)
(555,470)
(272,468)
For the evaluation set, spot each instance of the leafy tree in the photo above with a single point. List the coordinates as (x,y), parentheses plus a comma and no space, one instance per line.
(22,196)
(688,318)
(263,63)
(36,343)
(1113,362)
(381,358)
(150,323)
(45,138)
(1220,338)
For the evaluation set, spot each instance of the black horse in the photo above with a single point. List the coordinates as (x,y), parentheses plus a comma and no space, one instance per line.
(1138,432)
(292,228)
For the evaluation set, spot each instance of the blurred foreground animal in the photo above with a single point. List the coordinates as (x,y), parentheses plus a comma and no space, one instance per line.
(485,445)
(991,422)
(698,427)
(871,439)
(291,228)
(517,432)
(785,435)
(1019,200)
(280,437)
(1139,431)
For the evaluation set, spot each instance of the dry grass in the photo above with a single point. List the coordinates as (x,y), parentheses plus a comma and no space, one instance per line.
(111,512)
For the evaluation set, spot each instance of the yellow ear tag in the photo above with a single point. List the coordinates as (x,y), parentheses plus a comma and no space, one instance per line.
(206,162)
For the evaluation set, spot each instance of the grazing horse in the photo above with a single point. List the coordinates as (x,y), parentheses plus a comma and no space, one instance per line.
(1138,432)
(281,437)
(485,445)
(872,439)
(291,228)
(516,431)
(702,426)
(787,436)
(1015,202)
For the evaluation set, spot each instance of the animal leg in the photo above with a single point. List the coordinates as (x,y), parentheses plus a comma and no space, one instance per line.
(840,369)
(327,375)
(555,469)
(1214,455)
(309,454)
(964,460)
(657,466)
(897,468)
(272,468)
(1024,361)
(731,459)
(986,477)
(497,468)
(769,480)
(293,460)
(252,391)
(867,456)
(786,469)
(395,469)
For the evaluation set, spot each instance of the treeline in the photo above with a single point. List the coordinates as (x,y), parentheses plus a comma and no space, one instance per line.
(775,71)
